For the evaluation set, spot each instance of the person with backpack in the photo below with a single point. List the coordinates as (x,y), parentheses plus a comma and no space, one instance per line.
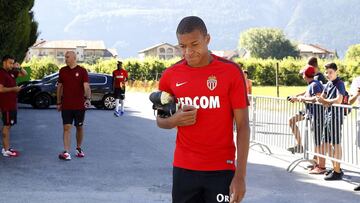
(334,93)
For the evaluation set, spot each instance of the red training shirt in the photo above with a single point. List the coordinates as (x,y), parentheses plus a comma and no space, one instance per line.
(119,76)
(73,87)
(215,90)
(8,100)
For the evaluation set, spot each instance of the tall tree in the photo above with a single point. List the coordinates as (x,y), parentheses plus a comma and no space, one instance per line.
(267,43)
(353,53)
(18,28)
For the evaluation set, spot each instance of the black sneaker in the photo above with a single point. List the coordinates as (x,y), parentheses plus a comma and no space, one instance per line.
(296,149)
(357,188)
(331,170)
(328,172)
(334,176)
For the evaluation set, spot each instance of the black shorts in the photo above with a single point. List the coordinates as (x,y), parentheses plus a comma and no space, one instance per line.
(9,118)
(332,130)
(73,116)
(119,93)
(317,127)
(201,186)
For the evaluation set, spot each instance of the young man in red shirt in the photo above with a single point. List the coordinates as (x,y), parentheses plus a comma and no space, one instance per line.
(73,96)
(8,101)
(120,76)
(212,93)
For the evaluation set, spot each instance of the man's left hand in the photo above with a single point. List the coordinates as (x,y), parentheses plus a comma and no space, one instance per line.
(237,189)
(87,103)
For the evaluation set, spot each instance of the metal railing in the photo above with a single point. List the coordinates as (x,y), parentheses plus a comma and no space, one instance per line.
(323,129)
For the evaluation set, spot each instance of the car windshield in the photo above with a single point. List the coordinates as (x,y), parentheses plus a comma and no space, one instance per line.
(49,77)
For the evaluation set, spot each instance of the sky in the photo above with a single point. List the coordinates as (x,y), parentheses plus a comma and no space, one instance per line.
(134,25)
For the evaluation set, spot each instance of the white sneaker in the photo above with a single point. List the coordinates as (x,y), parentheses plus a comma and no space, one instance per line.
(80,153)
(65,156)
(9,153)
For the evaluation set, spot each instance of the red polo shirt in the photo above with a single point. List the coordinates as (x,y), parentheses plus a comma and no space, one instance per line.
(73,87)
(8,100)
(119,76)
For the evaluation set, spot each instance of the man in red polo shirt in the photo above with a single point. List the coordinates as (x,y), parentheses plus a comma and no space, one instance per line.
(120,76)
(73,96)
(8,101)
(212,93)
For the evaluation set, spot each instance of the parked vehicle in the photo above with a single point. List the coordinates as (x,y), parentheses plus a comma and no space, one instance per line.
(42,93)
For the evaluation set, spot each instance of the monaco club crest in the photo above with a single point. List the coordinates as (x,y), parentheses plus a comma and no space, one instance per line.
(211,82)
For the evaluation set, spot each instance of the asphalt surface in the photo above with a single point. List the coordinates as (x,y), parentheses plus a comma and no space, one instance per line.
(129,159)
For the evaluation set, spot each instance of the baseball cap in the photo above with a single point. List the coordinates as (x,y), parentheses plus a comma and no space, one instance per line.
(309,71)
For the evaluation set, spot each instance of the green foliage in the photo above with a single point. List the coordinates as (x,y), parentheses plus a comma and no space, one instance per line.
(261,71)
(42,67)
(18,29)
(147,69)
(353,53)
(267,43)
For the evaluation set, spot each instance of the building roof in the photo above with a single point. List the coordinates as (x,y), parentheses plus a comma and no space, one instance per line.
(70,44)
(113,51)
(155,46)
(110,52)
(316,49)
(228,54)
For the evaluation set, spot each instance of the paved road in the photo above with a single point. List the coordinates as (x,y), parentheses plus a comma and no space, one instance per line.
(128,159)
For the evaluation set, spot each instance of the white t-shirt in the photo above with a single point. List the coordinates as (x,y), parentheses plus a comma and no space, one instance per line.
(355,85)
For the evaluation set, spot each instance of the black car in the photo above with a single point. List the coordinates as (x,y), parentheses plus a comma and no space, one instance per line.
(42,93)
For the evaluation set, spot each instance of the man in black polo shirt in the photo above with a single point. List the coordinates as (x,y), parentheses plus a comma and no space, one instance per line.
(333,94)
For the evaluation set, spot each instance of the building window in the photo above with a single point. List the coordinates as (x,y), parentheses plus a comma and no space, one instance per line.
(169,56)
(89,53)
(60,54)
(162,54)
(99,53)
(42,53)
(170,51)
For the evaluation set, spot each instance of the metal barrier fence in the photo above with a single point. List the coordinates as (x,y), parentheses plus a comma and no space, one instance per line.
(329,132)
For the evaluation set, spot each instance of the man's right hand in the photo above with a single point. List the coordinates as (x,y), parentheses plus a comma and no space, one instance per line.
(185,116)
(17,89)
(58,107)
(293,99)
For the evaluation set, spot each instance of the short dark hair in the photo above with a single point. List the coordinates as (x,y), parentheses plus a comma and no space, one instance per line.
(119,64)
(312,61)
(6,57)
(191,23)
(245,71)
(331,66)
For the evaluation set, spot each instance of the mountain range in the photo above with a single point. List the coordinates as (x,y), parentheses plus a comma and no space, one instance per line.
(130,26)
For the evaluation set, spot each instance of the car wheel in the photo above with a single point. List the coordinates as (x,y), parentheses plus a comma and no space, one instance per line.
(109,102)
(42,101)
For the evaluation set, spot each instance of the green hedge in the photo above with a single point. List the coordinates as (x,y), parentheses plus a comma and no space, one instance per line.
(41,67)
(20,80)
(261,71)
